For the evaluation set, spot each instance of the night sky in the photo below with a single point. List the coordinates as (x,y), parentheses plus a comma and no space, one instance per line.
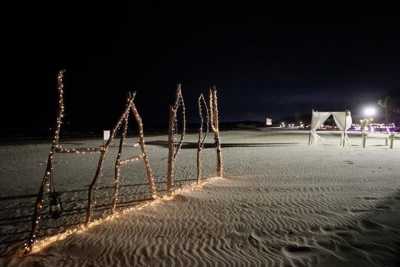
(272,64)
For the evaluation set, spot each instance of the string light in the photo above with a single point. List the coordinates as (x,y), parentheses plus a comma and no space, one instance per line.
(179,103)
(201,102)
(81,150)
(214,122)
(130,107)
(118,162)
(47,184)
(132,159)
(45,242)
(173,147)
(47,181)
(146,161)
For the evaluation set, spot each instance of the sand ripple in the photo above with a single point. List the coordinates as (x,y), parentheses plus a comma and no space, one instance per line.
(277,207)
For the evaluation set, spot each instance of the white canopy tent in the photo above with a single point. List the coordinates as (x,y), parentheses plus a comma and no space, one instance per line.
(342,119)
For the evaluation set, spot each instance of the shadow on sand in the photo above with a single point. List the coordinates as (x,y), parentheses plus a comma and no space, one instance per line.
(193,145)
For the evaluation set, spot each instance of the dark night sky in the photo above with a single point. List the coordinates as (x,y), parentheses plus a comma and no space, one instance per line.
(277,64)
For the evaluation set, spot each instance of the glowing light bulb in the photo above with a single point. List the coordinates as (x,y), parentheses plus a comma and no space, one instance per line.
(369,111)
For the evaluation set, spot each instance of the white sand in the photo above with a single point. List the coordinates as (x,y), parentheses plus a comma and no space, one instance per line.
(282,203)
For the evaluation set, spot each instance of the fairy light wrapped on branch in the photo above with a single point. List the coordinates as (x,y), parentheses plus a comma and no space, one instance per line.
(177,118)
(130,108)
(47,185)
(202,104)
(214,122)
(173,146)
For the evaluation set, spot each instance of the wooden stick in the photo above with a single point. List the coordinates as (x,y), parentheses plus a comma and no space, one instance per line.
(215,127)
(149,171)
(211,105)
(47,181)
(39,206)
(202,137)
(171,148)
(199,149)
(179,102)
(60,112)
(392,137)
(364,139)
(309,135)
(344,130)
(117,169)
(104,149)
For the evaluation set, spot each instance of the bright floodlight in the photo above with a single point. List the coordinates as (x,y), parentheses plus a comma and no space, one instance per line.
(369,111)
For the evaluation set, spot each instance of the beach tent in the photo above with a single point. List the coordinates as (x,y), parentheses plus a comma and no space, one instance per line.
(342,119)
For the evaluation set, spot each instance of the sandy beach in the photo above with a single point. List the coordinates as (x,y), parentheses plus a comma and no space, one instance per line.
(281,203)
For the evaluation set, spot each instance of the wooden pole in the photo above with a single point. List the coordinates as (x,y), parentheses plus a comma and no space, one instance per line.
(364,139)
(198,161)
(171,148)
(202,137)
(146,160)
(344,130)
(47,178)
(179,103)
(103,152)
(387,138)
(39,205)
(364,133)
(117,166)
(214,122)
(392,137)
(312,119)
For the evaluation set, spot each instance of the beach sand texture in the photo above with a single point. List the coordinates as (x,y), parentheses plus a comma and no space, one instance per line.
(282,203)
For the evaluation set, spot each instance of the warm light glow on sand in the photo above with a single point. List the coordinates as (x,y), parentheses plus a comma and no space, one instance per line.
(44,243)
